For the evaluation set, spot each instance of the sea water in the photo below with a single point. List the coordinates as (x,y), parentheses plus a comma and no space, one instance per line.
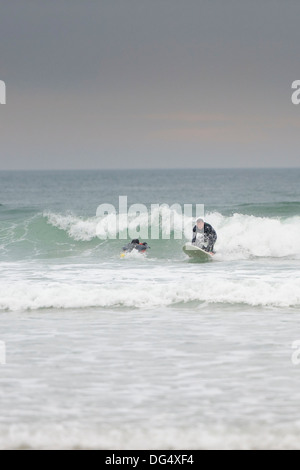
(149,351)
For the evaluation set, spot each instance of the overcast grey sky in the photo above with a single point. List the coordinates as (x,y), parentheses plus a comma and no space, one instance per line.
(149,83)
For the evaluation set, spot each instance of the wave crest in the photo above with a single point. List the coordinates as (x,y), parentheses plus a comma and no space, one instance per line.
(253,292)
(239,236)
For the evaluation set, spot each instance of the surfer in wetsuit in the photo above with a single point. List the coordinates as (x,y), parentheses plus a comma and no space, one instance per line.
(136,245)
(209,236)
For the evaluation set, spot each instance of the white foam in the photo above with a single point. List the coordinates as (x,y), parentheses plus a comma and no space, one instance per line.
(76,227)
(198,437)
(243,236)
(25,295)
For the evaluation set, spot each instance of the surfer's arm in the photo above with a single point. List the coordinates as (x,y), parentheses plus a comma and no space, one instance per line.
(212,238)
(194,234)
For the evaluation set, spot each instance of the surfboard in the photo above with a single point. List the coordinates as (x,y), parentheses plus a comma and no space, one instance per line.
(197,253)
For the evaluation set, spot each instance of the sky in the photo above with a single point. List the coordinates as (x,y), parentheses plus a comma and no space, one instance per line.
(149,84)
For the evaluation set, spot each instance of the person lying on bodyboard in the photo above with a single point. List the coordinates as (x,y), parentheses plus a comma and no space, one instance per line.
(205,236)
(136,245)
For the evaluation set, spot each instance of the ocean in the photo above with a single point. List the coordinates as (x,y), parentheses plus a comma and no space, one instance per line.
(149,351)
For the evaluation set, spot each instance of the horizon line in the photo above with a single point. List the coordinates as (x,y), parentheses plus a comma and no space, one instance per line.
(148,169)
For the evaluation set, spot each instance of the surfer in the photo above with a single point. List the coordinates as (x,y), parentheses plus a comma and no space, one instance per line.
(136,245)
(209,236)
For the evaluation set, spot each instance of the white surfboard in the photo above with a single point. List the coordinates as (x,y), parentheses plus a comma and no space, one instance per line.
(197,253)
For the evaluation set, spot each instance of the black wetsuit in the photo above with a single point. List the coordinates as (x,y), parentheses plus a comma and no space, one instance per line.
(210,237)
(136,245)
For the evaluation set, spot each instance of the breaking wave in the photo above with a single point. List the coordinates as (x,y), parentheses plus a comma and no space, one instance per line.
(239,236)
(253,292)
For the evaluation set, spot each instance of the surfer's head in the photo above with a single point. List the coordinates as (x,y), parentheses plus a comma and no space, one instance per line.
(200,224)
